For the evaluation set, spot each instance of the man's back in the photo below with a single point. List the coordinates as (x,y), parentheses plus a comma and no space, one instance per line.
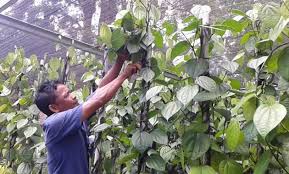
(66,142)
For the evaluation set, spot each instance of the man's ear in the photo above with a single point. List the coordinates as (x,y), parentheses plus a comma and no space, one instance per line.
(53,108)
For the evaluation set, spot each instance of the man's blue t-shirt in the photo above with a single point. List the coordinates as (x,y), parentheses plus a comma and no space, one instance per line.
(66,142)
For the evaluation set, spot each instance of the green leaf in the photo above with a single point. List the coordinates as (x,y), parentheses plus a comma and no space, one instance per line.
(105,34)
(30,131)
(170,28)
(194,24)
(139,12)
(249,108)
(273,35)
(196,67)
(88,76)
(272,62)
(267,117)
(156,162)
(180,48)
(167,153)
(283,63)
(196,144)
(187,93)
(233,135)
(155,13)
(10,127)
(264,45)
(54,64)
(229,167)
(133,47)
(207,83)
(158,39)
(171,109)
(243,100)
(250,132)
(21,123)
(117,39)
(23,168)
(263,162)
(71,52)
(5,91)
(235,84)
(153,92)
(112,55)
(233,25)
(127,158)
(100,127)
(141,140)
(202,170)
(159,136)
(128,22)
(246,37)
(52,75)
(230,66)
(255,63)
(206,96)
(147,74)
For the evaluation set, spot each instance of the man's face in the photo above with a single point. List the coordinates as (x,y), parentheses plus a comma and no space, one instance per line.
(64,99)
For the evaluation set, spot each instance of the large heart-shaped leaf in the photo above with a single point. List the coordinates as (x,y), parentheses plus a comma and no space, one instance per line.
(117,39)
(105,34)
(180,48)
(171,109)
(255,63)
(30,131)
(156,162)
(167,153)
(128,22)
(141,140)
(187,93)
(230,66)
(153,92)
(147,74)
(159,136)
(196,144)
(23,168)
(207,83)
(196,67)
(21,123)
(267,117)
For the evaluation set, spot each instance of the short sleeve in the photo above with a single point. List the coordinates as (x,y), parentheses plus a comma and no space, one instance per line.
(62,124)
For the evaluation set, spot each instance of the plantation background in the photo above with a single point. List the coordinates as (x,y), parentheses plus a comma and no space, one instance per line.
(80,19)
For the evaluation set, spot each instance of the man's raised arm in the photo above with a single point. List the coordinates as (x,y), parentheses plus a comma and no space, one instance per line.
(103,94)
(114,71)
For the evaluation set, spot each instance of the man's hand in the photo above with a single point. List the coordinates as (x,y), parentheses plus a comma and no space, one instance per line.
(131,69)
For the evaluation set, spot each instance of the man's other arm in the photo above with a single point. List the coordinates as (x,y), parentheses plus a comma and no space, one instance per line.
(114,71)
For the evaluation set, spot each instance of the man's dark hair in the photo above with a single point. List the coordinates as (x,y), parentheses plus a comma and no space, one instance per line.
(46,96)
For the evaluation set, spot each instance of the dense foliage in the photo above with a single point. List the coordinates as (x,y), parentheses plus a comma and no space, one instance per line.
(178,115)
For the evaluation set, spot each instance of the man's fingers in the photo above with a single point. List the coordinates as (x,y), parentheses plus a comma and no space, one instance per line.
(138,66)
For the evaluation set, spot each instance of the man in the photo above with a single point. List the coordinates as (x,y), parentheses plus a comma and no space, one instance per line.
(65,127)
